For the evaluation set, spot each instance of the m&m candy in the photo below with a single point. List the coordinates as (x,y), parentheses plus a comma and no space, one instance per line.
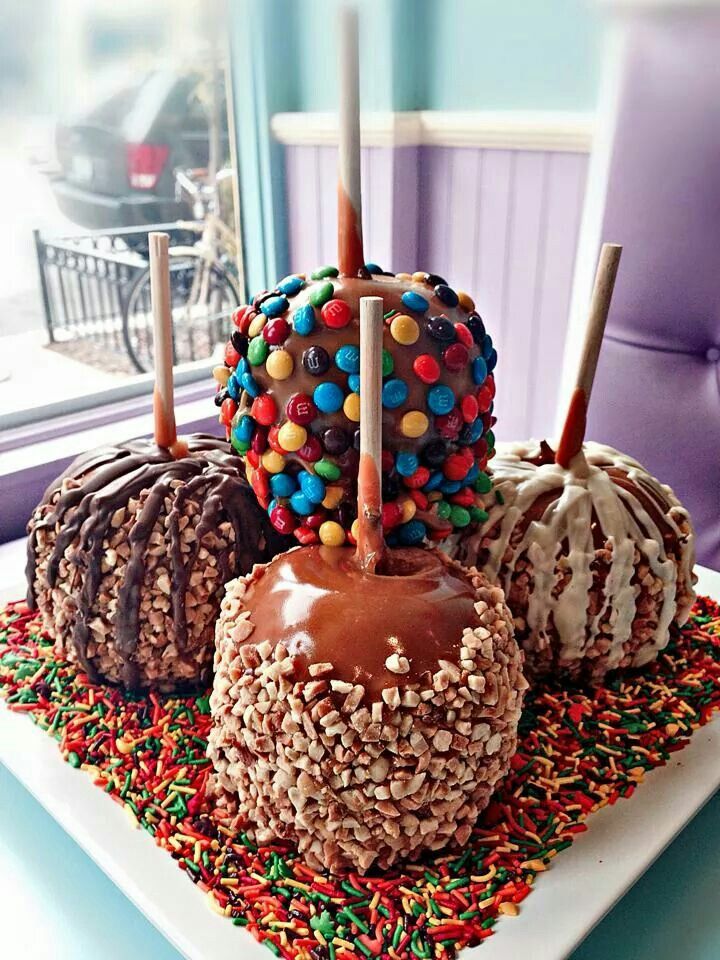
(289,398)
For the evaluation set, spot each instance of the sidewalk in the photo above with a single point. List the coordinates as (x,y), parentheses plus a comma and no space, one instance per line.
(33,375)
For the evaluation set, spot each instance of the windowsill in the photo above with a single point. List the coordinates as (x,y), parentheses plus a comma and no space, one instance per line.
(27,468)
(113,422)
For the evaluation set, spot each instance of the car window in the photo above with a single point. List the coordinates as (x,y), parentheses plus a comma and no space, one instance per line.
(111,113)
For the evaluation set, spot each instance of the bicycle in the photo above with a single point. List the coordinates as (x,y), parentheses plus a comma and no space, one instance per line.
(204,287)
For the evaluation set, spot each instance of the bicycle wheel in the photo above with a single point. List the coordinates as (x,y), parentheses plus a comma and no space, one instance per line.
(197,326)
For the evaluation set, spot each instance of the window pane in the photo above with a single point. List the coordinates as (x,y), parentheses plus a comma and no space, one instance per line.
(106,129)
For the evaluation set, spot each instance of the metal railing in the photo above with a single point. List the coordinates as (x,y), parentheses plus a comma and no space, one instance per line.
(85,280)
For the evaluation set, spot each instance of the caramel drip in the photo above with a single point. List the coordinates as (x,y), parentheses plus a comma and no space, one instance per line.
(325,609)
(371,543)
(350,242)
(573,433)
(108,479)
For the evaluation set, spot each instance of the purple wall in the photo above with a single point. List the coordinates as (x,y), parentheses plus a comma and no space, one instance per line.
(657,391)
(501,224)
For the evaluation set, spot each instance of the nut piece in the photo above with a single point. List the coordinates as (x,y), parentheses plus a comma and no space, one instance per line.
(397,664)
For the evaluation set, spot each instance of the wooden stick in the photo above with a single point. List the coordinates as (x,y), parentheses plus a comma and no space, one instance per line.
(573,432)
(163,405)
(370,542)
(351,259)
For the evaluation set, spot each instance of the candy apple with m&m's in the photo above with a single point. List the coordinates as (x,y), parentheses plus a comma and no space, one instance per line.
(289,399)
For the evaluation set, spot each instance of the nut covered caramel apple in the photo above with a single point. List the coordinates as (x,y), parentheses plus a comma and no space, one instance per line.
(289,398)
(128,553)
(595,559)
(363,716)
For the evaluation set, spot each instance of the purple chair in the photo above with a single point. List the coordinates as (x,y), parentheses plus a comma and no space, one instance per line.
(657,391)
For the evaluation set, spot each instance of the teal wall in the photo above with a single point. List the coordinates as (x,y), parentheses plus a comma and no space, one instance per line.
(415,54)
(455,54)
(515,55)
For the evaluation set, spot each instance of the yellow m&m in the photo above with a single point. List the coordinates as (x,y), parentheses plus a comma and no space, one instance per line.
(331,534)
(257,324)
(279,364)
(404,330)
(408,508)
(273,461)
(351,407)
(414,424)
(291,436)
(465,301)
(333,496)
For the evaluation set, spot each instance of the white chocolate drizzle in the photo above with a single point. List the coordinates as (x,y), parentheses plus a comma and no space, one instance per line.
(562,536)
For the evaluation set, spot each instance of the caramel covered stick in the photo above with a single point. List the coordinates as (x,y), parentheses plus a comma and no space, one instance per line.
(163,402)
(351,260)
(370,542)
(573,433)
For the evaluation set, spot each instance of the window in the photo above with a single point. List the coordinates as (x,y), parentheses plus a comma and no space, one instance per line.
(108,130)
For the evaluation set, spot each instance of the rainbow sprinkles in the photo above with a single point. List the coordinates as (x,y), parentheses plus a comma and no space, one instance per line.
(579,750)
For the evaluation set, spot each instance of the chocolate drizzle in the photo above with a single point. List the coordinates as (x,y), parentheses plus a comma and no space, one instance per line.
(107,479)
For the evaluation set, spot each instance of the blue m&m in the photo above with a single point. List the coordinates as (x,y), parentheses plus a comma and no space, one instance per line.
(328,397)
(300,504)
(312,487)
(406,463)
(250,385)
(282,485)
(303,320)
(274,306)
(440,399)
(413,301)
(233,387)
(479,371)
(394,393)
(411,533)
(291,285)
(347,358)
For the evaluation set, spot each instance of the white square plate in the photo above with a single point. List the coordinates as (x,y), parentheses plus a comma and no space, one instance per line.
(584,882)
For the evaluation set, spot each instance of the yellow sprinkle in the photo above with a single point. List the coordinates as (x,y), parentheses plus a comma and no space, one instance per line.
(537,865)
(355,529)
(508,908)
(419,276)
(215,906)
(287,882)
(405,277)
(221,374)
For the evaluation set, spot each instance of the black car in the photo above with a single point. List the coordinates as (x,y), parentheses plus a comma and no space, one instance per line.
(117,163)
